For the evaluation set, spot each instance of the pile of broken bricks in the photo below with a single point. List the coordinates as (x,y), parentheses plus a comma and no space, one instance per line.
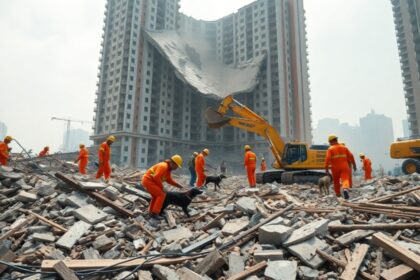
(63,224)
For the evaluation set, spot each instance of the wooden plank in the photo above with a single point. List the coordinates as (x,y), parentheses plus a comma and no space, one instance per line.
(389,245)
(48,265)
(352,267)
(381,226)
(7,256)
(249,271)
(99,197)
(378,262)
(17,228)
(64,272)
(45,220)
(399,272)
(213,223)
(170,218)
(388,197)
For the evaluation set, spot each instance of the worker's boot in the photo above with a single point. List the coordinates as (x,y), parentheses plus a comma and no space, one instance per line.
(156,217)
(346,194)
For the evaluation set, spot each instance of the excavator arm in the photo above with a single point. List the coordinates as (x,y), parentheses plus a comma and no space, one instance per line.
(247,120)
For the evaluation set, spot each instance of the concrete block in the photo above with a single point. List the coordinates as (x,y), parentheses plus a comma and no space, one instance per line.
(145,275)
(90,214)
(26,197)
(281,270)
(306,251)
(77,200)
(103,243)
(90,254)
(236,264)
(280,221)
(164,273)
(211,263)
(43,237)
(112,193)
(269,255)
(187,274)
(353,236)
(273,234)
(247,205)
(139,243)
(235,226)
(307,273)
(93,185)
(46,189)
(317,227)
(177,234)
(73,234)
(172,248)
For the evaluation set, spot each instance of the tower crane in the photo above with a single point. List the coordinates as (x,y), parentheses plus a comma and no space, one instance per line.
(68,123)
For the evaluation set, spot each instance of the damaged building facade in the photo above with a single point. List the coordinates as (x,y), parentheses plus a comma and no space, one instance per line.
(159,71)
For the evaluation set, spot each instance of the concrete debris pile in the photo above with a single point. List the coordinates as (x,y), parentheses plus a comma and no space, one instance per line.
(86,229)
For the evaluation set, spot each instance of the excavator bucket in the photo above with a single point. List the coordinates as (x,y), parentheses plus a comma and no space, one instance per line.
(215,119)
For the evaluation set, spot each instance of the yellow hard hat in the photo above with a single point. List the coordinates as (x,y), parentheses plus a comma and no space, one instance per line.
(247,147)
(46,148)
(8,138)
(81,146)
(361,155)
(206,151)
(177,159)
(342,143)
(195,154)
(332,137)
(111,138)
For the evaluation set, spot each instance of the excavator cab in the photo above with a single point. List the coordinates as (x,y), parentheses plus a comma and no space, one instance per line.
(294,153)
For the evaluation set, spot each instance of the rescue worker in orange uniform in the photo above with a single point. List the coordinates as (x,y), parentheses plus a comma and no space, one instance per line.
(4,150)
(200,165)
(338,157)
(367,166)
(44,152)
(250,163)
(350,160)
(153,180)
(104,155)
(82,159)
(263,166)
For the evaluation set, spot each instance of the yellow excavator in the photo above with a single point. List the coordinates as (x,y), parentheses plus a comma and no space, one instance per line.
(408,149)
(294,162)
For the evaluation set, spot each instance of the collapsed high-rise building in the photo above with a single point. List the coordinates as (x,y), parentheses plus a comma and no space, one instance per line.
(160,70)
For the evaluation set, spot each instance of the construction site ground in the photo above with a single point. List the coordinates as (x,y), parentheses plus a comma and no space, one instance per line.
(57,224)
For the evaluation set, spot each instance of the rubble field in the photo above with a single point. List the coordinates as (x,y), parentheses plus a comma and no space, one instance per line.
(57,224)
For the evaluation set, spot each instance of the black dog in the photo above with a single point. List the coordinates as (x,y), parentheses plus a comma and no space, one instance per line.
(215,180)
(181,199)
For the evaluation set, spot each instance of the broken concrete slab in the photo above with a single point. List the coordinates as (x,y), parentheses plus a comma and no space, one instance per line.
(103,243)
(91,254)
(176,234)
(280,221)
(235,226)
(273,234)
(211,263)
(43,237)
(145,275)
(247,205)
(281,270)
(93,185)
(307,273)
(269,255)
(139,243)
(354,236)
(317,227)
(112,193)
(173,248)
(236,264)
(73,234)
(164,273)
(187,274)
(90,214)
(46,189)
(26,197)
(306,251)
(77,200)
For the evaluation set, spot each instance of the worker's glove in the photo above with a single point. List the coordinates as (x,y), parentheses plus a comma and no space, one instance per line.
(10,149)
(75,161)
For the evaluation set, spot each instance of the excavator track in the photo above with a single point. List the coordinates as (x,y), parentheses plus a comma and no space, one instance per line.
(290,177)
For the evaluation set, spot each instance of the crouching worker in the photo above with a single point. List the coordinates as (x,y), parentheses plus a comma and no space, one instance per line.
(153,180)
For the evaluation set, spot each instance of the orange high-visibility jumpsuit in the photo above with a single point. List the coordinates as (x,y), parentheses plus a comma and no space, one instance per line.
(43,153)
(4,153)
(153,180)
(263,166)
(250,162)
(200,164)
(83,160)
(104,155)
(367,167)
(338,157)
(350,160)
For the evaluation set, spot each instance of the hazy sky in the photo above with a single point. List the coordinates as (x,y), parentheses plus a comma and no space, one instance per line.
(50,56)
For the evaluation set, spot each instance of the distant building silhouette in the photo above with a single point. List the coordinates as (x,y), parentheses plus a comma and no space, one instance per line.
(373,137)
(406,129)
(77,137)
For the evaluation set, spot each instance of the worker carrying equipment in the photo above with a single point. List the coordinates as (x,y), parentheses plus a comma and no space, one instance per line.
(5,150)
(263,166)
(104,156)
(338,157)
(200,165)
(250,164)
(191,168)
(44,152)
(367,166)
(153,180)
(82,159)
